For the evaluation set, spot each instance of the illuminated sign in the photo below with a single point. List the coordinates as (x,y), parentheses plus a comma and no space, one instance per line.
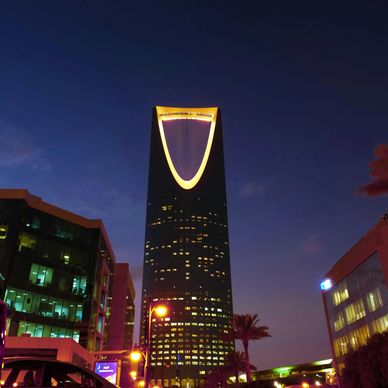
(187,137)
(107,370)
(326,285)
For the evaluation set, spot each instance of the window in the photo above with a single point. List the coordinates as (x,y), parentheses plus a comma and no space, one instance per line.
(27,240)
(40,275)
(59,375)
(380,325)
(340,294)
(339,321)
(355,311)
(100,324)
(374,300)
(102,300)
(79,285)
(3,232)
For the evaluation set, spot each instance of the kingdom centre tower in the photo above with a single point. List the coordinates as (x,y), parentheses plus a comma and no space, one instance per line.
(186,257)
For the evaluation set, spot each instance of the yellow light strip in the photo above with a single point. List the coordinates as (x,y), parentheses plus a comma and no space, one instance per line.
(203,114)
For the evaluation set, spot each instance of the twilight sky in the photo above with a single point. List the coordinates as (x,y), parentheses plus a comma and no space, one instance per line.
(303,89)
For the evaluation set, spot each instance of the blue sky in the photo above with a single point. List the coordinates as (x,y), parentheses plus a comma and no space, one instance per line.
(303,90)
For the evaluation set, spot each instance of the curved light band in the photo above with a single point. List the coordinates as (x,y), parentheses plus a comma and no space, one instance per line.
(203,114)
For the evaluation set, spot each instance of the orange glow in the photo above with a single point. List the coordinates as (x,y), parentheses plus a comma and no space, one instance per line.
(203,114)
(133,374)
(135,356)
(161,311)
(141,383)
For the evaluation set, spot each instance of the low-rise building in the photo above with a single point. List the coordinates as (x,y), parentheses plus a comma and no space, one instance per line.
(355,293)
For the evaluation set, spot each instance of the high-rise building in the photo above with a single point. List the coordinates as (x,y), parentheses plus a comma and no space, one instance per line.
(56,268)
(186,260)
(355,293)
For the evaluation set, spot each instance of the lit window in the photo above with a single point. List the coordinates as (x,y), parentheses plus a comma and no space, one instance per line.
(3,232)
(355,311)
(374,300)
(27,240)
(340,294)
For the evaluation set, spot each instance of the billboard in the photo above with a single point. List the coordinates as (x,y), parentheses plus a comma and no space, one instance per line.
(107,370)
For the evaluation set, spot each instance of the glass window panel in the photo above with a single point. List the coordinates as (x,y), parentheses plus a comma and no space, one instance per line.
(355,311)
(10,297)
(27,240)
(46,331)
(78,314)
(38,331)
(72,309)
(100,325)
(83,284)
(27,302)
(3,232)
(340,293)
(374,300)
(19,301)
(76,336)
(34,273)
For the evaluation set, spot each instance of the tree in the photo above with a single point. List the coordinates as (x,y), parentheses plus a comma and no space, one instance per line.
(218,378)
(367,366)
(235,363)
(245,329)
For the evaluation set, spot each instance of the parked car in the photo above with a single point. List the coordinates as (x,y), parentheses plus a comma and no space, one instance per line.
(33,372)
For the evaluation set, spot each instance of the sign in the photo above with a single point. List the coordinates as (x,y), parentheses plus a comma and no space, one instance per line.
(107,370)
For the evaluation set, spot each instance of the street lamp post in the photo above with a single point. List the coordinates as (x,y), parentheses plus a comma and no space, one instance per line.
(161,311)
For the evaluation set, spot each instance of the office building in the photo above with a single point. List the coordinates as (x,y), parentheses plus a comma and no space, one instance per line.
(122,309)
(355,293)
(57,269)
(186,260)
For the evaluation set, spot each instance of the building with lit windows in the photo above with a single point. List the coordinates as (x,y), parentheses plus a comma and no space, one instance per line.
(56,268)
(355,293)
(186,260)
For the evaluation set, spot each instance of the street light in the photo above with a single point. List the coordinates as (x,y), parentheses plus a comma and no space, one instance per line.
(136,355)
(160,311)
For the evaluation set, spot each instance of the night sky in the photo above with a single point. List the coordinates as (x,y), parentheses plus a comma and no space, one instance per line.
(303,89)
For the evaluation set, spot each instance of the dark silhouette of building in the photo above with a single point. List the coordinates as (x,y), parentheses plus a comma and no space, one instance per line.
(57,272)
(186,261)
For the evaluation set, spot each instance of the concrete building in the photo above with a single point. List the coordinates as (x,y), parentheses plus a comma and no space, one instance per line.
(355,293)
(122,310)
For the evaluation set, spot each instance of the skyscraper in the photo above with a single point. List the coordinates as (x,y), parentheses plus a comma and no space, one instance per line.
(186,259)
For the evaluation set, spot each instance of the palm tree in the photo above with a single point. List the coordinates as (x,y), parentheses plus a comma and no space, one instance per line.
(245,329)
(235,363)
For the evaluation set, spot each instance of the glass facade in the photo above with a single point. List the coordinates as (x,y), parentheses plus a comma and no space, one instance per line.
(56,272)
(357,307)
(186,256)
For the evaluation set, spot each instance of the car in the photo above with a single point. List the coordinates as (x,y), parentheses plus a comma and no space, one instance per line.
(34,372)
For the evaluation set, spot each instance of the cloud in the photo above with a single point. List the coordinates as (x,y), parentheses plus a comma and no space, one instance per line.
(379,173)
(18,148)
(312,245)
(250,189)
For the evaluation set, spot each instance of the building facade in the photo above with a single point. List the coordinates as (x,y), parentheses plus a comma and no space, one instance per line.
(355,293)
(56,268)
(186,260)
(122,309)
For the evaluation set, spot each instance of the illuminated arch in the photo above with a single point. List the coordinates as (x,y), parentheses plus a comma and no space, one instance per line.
(202,114)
